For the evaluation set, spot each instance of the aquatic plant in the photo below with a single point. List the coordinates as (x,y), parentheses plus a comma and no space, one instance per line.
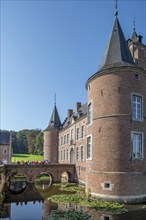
(70,214)
(86,202)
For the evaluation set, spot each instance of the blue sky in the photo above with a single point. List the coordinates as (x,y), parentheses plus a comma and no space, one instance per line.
(52,47)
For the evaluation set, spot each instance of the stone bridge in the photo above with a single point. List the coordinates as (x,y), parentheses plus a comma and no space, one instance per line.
(31,171)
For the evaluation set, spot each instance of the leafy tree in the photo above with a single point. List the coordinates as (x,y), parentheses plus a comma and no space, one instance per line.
(39,143)
(27,141)
(22,143)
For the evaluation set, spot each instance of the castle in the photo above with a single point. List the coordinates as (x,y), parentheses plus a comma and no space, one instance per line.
(106,137)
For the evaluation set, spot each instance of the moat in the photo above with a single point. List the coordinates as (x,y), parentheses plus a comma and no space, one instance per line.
(32,204)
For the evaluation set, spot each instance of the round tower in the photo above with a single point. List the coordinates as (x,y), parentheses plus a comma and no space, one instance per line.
(116,152)
(51,138)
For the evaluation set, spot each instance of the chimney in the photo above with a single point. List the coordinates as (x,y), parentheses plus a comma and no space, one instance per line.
(69,113)
(140,38)
(78,105)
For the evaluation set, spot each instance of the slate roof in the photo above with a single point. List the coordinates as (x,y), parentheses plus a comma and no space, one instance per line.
(4,137)
(117,52)
(54,120)
(76,115)
(134,36)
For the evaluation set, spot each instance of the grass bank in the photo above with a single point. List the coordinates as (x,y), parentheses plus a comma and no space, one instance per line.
(26,157)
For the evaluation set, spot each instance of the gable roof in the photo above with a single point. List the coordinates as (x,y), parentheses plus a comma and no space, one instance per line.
(117,52)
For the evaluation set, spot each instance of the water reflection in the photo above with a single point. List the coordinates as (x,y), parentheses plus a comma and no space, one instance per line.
(17,183)
(43,181)
(33,204)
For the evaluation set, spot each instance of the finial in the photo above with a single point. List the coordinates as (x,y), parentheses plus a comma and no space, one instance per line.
(134,23)
(55,99)
(116,8)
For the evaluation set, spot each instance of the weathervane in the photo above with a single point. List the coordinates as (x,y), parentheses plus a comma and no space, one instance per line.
(55,99)
(116,7)
(134,23)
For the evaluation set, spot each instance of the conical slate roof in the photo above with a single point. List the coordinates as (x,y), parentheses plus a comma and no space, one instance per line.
(134,36)
(54,120)
(117,52)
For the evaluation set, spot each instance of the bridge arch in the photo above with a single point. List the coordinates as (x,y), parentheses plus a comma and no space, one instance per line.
(14,172)
(31,171)
(43,173)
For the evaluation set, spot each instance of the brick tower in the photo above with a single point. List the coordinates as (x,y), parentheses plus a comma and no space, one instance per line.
(51,137)
(116,115)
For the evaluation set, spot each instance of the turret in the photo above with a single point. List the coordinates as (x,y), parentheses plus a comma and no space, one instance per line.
(137,49)
(51,137)
(116,125)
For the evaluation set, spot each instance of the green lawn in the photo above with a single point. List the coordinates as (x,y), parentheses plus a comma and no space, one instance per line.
(26,157)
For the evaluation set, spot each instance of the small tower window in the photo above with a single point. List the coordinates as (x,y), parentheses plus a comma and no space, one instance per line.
(137,76)
(5,151)
(106,185)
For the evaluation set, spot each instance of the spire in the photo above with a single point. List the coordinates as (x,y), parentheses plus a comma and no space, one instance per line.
(54,122)
(117,52)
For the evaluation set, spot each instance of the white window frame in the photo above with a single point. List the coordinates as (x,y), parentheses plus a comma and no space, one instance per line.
(136,118)
(61,154)
(137,133)
(82,131)
(89,113)
(72,134)
(67,141)
(90,157)
(62,140)
(77,153)
(82,152)
(78,133)
(66,154)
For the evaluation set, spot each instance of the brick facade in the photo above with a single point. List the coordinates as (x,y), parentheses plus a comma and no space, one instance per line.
(110,153)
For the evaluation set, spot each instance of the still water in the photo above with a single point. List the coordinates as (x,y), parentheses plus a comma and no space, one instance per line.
(32,204)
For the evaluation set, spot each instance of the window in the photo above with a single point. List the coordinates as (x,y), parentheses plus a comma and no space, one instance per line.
(78,133)
(77,153)
(106,185)
(82,153)
(64,139)
(137,107)
(67,138)
(5,151)
(82,131)
(89,148)
(137,145)
(61,140)
(66,154)
(58,155)
(72,132)
(61,155)
(89,113)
